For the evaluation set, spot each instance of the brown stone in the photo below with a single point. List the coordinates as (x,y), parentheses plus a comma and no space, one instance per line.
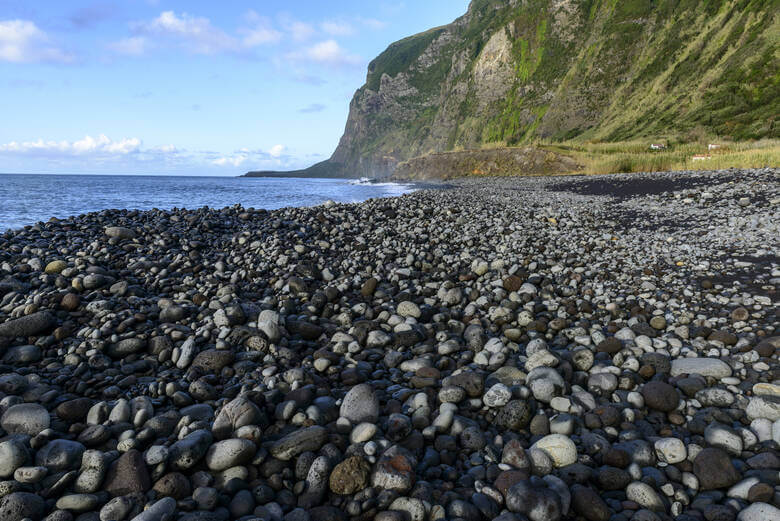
(610,345)
(714,469)
(369,287)
(128,475)
(173,484)
(647,371)
(508,478)
(761,493)
(74,410)
(608,415)
(350,476)
(70,302)
(513,283)
(740,314)
(213,360)
(660,396)
(725,337)
(587,503)
(428,372)
(617,458)
(514,454)
(767,347)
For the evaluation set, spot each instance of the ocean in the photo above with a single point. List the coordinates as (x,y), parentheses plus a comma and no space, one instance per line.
(27,199)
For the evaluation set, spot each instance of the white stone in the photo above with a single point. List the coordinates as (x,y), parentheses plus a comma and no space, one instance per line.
(670,450)
(497,396)
(763,407)
(703,366)
(759,512)
(363,432)
(408,309)
(559,448)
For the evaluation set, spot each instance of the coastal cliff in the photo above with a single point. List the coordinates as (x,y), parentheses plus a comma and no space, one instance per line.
(512,72)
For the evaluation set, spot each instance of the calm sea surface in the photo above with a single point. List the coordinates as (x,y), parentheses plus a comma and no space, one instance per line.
(27,199)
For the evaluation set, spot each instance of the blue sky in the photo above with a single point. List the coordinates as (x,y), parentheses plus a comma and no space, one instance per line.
(188,87)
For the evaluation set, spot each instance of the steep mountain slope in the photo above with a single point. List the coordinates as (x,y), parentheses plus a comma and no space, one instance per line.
(513,71)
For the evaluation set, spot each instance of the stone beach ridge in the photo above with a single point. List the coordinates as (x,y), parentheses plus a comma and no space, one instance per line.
(598,348)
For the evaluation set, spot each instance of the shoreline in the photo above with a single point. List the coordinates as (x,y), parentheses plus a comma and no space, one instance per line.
(593,346)
(168,193)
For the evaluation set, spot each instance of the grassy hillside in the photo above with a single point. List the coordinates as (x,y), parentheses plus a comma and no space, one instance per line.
(512,72)
(634,156)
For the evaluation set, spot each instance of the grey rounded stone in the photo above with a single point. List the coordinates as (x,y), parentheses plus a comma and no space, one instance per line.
(22,355)
(117,508)
(162,509)
(30,474)
(25,418)
(602,383)
(18,506)
(300,441)
(545,383)
(120,232)
(13,455)
(360,405)
(30,325)
(644,495)
(237,413)
(126,347)
(78,502)
(515,415)
(60,455)
(230,453)
(188,451)
(536,502)
(703,366)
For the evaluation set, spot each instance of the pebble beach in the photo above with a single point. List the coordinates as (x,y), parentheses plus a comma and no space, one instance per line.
(523,349)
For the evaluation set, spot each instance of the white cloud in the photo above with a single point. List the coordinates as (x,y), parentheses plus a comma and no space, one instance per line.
(102,154)
(21,41)
(300,31)
(99,146)
(133,46)
(195,33)
(327,52)
(234,160)
(372,23)
(254,158)
(314,107)
(337,28)
(261,35)
(260,30)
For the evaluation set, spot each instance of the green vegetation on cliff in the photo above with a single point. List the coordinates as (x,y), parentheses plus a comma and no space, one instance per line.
(513,72)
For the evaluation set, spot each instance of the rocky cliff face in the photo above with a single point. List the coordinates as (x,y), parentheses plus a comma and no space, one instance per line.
(515,71)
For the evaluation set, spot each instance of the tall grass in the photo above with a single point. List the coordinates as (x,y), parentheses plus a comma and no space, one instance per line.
(636,156)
